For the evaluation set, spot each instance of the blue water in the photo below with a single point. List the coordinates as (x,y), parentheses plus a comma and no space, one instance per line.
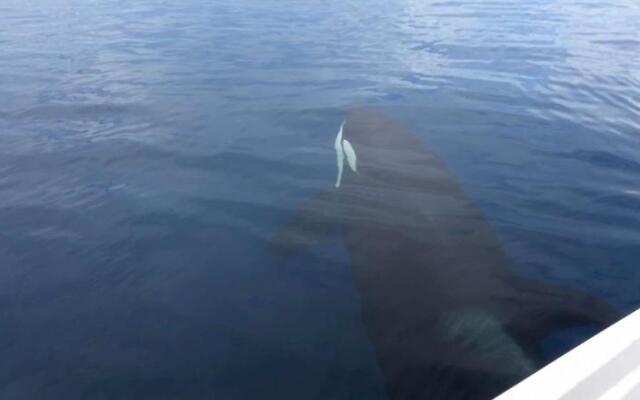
(148,150)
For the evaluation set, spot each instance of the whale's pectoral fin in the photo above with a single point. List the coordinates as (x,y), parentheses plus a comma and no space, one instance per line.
(538,309)
(315,220)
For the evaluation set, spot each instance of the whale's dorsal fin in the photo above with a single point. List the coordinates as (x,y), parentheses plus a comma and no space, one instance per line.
(315,220)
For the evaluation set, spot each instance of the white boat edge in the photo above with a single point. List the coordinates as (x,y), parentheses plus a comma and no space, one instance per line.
(605,367)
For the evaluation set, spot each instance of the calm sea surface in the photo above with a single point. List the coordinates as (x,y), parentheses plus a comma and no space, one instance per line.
(149,149)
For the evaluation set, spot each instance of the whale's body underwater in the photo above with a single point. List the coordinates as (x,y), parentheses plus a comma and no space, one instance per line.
(447,318)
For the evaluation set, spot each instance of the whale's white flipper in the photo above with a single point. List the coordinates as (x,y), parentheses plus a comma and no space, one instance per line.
(351,154)
(339,154)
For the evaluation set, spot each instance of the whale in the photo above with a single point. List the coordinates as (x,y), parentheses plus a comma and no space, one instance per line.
(445,314)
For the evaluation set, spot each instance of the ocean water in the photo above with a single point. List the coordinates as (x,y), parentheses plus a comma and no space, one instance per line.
(149,149)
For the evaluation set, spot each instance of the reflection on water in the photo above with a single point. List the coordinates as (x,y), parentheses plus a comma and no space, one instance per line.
(149,150)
